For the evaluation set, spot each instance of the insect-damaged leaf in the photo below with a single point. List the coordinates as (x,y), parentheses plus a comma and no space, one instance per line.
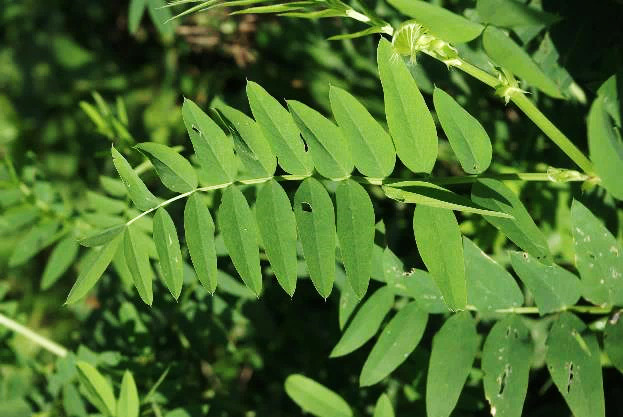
(450,363)
(199,231)
(169,252)
(277,226)
(506,357)
(469,140)
(143,198)
(316,399)
(355,231)
(573,362)
(239,231)
(366,322)
(315,221)
(438,240)
(280,130)
(396,342)
(410,123)
(175,172)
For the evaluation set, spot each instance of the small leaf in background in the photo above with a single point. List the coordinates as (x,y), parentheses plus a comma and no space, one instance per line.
(573,362)
(280,130)
(438,240)
(137,259)
(258,158)
(454,348)
(329,149)
(62,257)
(128,404)
(372,148)
(366,322)
(92,269)
(383,407)
(34,241)
(135,13)
(99,391)
(239,230)
(506,357)
(489,286)
(161,18)
(605,148)
(169,252)
(277,227)
(101,237)
(613,340)
(348,299)
(175,172)
(230,285)
(494,195)
(199,231)
(410,123)
(612,92)
(469,140)
(315,222)
(103,204)
(432,195)
(598,257)
(442,23)
(513,13)
(113,186)
(355,232)
(140,195)
(314,398)
(397,341)
(554,288)
(506,53)
(213,148)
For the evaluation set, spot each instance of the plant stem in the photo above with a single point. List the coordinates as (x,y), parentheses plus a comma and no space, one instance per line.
(47,344)
(535,310)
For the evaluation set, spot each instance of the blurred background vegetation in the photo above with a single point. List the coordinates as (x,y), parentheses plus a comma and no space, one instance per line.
(230,354)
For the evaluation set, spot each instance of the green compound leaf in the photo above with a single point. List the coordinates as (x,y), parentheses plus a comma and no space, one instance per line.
(101,237)
(454,348)
(174,170)
(506,53)
(239,230)
(553,287)
(252,147)
(213,148)
(522,230)
(469,140)
(143,198)
(128,404)
(383,407)
(599,258)
(506,357)
(442,23)
(410,123)
(62,257)
(277,227)
(438,240)
(329,150)
(606,148)
(513,13)
(92,269)
(316,399)
(137,260)
(397,341)
(169,252)
(613,340)
(432,195)
(573,362)
(372,148)
(489,286)
(315,221)
(280,130)
(366,322)
(199,231)
(99,391)
(355,232)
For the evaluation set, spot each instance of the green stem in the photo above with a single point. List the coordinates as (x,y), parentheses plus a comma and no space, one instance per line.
(34,337)
(535,310)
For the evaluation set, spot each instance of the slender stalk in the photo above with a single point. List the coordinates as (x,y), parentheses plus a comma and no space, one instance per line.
(535,310)
(47,344)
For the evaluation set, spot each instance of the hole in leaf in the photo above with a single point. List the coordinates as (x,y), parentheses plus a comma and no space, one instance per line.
(508,331)
(306,207)
(570,377)
(592,256)
(305,145)
(193,127)
(502,379)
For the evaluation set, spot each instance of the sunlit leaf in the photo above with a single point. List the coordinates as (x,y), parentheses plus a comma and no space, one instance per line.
(174,170)
(137,259)
(199,231)
(99,390)
(128,404)
(140,195)
(314,398)
(169,252)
